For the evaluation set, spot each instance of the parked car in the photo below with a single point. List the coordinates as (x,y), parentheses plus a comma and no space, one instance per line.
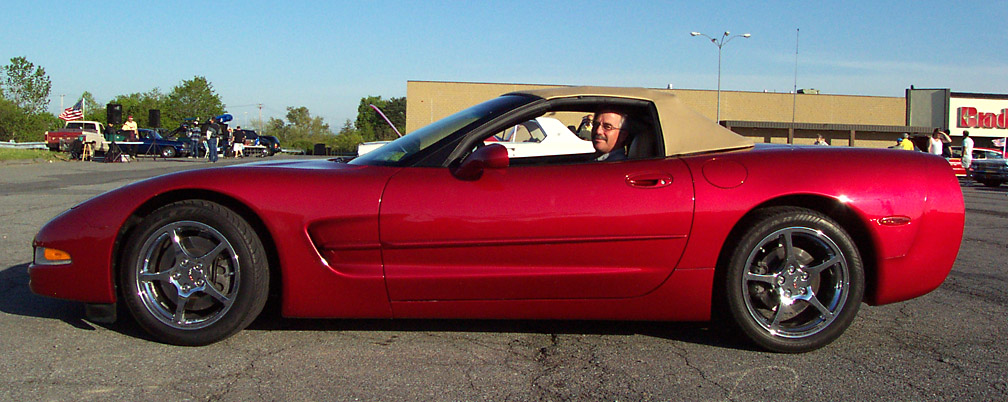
(270,144)
(953,154)
(978,153)
(369,146)
(539,137)
(697,223)
(536,137)
(152,143)
(91,131)
(991,171)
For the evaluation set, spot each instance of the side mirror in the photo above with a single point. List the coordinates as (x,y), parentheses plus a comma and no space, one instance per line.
(493,156)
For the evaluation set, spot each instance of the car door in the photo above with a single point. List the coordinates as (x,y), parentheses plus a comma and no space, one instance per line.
(589,230)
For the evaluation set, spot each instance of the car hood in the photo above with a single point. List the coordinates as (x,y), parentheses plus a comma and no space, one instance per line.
(247,183)
(294,164)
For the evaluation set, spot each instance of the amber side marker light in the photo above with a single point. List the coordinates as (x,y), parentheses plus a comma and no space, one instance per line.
(894,220)
(51,256)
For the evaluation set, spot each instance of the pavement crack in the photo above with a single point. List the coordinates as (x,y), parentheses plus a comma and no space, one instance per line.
(244,373)
(547,366)
(684,355)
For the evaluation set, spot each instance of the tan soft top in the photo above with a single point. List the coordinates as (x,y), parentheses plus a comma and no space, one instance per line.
(685,131)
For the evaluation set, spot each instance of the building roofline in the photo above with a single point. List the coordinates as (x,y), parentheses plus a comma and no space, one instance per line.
(652,88)
(977,95)
(827,126)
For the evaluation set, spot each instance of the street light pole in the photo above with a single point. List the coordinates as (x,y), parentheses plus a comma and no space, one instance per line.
(720,43)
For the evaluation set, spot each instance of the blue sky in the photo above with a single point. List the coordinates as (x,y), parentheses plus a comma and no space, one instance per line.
(328,55)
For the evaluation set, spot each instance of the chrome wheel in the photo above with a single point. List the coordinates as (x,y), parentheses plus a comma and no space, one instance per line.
(188,275)
(796,282)
(194,272)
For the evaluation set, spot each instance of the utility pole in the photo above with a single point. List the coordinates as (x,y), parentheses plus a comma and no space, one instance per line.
(794,93)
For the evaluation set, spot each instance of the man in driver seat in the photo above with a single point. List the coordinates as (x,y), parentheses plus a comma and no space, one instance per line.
(610,135)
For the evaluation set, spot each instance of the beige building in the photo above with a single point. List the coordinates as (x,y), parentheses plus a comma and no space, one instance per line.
(850,120)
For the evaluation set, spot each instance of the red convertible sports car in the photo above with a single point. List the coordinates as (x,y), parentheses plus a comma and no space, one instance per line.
(785,242)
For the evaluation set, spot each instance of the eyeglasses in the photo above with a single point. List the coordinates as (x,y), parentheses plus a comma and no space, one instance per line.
(606,126)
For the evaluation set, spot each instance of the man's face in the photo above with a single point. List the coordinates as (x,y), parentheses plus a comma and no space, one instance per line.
(606,131)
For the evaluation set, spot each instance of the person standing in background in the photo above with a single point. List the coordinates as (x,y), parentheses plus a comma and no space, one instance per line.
(967,151)
(937,142)
(130,127)
(907,144)
(213,133)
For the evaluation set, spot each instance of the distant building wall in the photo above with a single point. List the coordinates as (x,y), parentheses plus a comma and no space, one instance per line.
(429,101)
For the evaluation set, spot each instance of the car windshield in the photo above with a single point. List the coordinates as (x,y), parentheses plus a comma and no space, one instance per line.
(416,142)
(78,126)
(149,134)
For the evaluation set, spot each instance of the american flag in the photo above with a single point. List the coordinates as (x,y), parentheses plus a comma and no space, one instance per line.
(74,112)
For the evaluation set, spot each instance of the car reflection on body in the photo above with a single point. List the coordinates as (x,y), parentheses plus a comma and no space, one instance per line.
(697,223)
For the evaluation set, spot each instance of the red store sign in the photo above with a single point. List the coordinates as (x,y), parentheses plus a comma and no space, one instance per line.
(969,117)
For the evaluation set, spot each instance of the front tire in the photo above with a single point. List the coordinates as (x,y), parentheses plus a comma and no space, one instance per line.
(795,281)
(194,273)
(167,152)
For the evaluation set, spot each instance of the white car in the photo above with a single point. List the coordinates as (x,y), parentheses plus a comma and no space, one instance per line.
(370,146)
(541,136)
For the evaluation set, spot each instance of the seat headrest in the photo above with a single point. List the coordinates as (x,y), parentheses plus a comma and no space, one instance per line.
(642,146)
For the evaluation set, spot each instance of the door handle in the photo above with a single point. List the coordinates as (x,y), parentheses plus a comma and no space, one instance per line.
(649,180)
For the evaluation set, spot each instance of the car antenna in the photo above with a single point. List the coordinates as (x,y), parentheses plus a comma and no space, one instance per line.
(386,119)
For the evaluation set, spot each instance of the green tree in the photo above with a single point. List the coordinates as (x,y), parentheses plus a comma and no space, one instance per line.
(301,130)
(372,127)
(303,123)
(10,114)
(93,109)
(192,98)
(18,125)
(139,105)
(24,96)
(347,139)
(136,104)
(26,85)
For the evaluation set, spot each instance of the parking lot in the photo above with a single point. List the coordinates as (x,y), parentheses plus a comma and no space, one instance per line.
(947,345)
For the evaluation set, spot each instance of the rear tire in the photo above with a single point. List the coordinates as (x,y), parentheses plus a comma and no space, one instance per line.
(795,281)
(194,273)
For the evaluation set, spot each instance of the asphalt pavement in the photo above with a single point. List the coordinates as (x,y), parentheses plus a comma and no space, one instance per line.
(947,345)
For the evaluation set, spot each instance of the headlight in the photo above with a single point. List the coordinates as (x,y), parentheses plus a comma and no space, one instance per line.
(51,256)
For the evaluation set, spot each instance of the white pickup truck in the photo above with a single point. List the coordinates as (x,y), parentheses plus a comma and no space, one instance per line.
(87,131)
